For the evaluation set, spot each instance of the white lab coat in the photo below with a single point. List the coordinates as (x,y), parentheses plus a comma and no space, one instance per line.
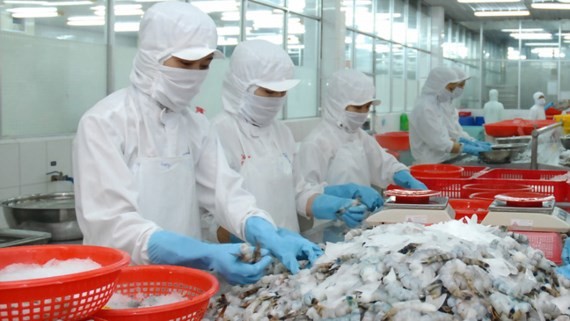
(434,121)
(262,154)
(140,167)
(331,154)
(493,109)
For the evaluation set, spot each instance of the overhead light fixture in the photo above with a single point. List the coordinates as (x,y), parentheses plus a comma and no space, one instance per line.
(532,36)
(551,6)
(486,1)
(541,44)
(523,30)
(34,12)
(86,21)
(50,3)
(502,13)
(121,10)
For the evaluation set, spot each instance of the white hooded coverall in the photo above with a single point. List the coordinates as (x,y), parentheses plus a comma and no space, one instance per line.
(333,153)
(434,121)
(140,166)
(493,109)
(262,149)
(537,110)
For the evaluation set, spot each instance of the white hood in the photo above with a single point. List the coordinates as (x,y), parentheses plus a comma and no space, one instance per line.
(437,80)
(195,38)
(536,97)
(259,63)
(493,95)
(347,87)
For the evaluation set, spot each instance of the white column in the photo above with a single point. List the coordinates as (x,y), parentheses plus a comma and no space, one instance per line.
(333,35)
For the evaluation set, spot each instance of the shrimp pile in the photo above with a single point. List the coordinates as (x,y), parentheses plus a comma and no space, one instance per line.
(447,271)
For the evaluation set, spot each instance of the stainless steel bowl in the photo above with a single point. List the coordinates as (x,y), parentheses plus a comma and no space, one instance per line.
(53,213)
(499,156)
(515,148)
(513,140)
(565,141)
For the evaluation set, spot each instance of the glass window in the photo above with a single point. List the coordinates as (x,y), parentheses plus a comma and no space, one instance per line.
(383,19)
(302,46)
(382,77)
(542,42)
(564,82)
(53,66)
(308,7)
(412,32)
(399,27)
(424,28)
(264,23)
(398,66)
(364,18)
(538,76)
(412,84)
(363,46)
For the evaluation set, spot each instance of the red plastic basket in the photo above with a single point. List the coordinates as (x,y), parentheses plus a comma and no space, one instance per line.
(531,125)
(197,286)
(67,297)
(396,141)
(541,181)
(490,196)
(469,207)
(498,187)
(550,243)
(452,187)
(436,170)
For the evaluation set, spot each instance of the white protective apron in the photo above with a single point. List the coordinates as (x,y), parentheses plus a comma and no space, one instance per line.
(348,165)
(167,191)
(269,177)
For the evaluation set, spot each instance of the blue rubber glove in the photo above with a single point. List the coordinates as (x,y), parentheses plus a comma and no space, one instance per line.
(566,252)
(260,231)
(404,179)
(366,194)
(550,104)
(473,149)
(306,250)
(328,207)
(484,146)
(173,249)
(564,270)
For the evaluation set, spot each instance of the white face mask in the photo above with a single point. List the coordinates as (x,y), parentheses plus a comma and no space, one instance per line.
(353,120)
(457,92)
(541,101)
(260,111)
(445,95)
(174,88)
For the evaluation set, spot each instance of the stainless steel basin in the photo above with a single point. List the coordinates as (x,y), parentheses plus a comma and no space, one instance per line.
(53,213)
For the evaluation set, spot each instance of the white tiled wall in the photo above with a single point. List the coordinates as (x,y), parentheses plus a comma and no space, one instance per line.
(25,162)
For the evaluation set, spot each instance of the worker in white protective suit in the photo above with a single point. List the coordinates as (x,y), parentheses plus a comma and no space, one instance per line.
(338,153)
(493,109)
(144,162)
(257,145)
(537,110)
(260,147)
(435,132)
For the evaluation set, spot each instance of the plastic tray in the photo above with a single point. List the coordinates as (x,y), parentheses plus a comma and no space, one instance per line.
(197,286)
(550,243)
(66,297)
(469,207)
(540,180)
(452,187)
(396,141)
(436,170)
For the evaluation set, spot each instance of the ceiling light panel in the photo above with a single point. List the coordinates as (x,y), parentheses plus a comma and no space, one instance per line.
(509,13)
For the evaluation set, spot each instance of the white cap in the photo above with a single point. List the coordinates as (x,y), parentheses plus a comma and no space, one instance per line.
(278,85)
(197,53)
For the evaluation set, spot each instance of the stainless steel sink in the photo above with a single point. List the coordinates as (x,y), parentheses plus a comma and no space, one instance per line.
(13,237)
